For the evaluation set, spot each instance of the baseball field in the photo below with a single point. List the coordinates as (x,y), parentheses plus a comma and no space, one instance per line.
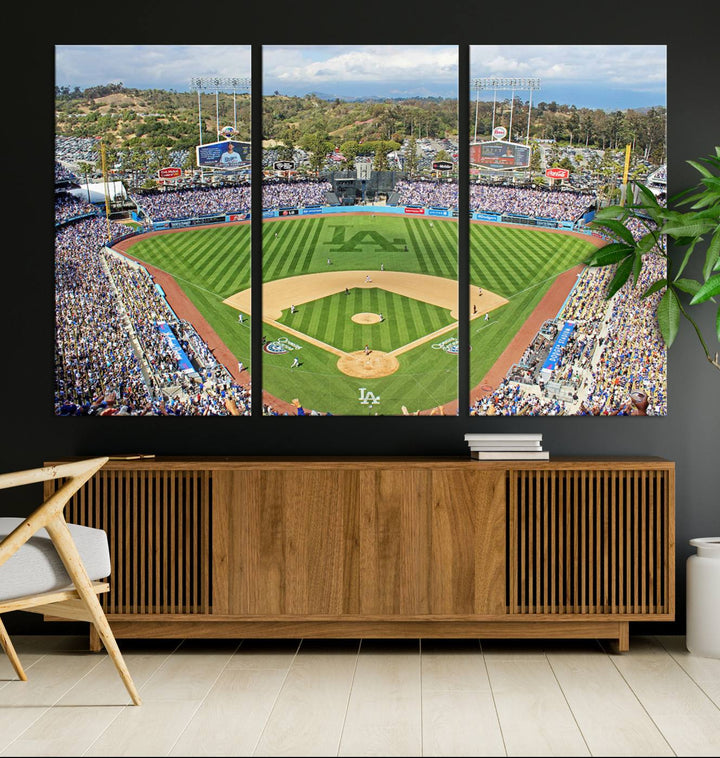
(360,310)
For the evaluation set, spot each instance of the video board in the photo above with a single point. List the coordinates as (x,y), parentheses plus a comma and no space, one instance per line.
(226,154)
(499,154)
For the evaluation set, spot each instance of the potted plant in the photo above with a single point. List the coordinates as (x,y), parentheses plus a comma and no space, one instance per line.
(640,228)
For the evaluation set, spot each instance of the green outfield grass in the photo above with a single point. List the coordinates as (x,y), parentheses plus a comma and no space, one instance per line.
(358,242)
(209,264)
(213,263)
(329,319)
(521,265)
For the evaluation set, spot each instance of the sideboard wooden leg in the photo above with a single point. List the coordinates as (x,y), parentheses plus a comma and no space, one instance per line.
(95,644)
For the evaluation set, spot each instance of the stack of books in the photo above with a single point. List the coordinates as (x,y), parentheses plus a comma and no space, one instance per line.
(506,447)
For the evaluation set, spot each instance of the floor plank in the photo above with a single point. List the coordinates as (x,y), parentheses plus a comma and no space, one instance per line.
(384,712)
(534,717)
(232,717)
(609,715)
(705,672)
(458,709)
(309,714)
(686,716)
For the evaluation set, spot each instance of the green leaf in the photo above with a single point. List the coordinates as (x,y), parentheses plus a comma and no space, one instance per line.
(693,228)
(711,288)
(699,167)
(712,182)
(621,276)
(647,243)
(712,257)
(610,254)
(650,199)
(611,212)
(688,253)
(653,288)
(637,268)
(687,285)
(619,230)
(668,316)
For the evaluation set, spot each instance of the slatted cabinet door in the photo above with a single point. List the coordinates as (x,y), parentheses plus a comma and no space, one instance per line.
(589,541)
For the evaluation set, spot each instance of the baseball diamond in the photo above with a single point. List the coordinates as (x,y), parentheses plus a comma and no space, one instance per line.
(364,299)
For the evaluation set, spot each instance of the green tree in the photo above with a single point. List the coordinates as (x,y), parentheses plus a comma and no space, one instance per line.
(411,157)
(381,161)
(318,145)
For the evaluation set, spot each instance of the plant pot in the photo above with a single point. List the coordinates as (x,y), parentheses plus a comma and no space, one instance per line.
(702,635)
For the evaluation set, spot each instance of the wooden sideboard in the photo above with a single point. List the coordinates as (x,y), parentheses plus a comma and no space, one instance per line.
(384,547)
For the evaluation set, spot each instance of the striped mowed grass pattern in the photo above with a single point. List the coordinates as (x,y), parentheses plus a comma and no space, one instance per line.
(356,242)
(213,263)
(215,259)
(329,319)
(508,260)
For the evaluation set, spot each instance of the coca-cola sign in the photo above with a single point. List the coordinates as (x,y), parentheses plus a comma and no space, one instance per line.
(169,173)
(557,173)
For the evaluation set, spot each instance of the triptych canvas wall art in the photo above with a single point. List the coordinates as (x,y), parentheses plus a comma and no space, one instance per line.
(365,168)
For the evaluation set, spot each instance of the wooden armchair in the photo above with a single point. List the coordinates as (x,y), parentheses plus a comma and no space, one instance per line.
(49,566)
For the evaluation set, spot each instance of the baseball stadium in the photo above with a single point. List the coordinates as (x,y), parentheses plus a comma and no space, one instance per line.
(360,307)
(360,296)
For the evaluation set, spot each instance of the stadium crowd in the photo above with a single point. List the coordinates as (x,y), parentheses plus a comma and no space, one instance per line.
(169,205)
(615,352)
(294,194)
(538,203)
(191,203)
(427,193)
(68,206)
(63,174)
(110,357)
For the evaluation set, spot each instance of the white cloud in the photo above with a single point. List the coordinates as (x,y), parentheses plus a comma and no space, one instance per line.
(142,66)
(632,66)
(320,64)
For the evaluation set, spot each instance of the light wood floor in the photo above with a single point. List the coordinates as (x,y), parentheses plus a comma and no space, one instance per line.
(361,698)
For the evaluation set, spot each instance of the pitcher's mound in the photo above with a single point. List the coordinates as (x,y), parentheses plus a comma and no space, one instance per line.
(366,318)
(371,366)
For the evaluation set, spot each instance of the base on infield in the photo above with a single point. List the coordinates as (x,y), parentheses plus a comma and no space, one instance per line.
(371,366)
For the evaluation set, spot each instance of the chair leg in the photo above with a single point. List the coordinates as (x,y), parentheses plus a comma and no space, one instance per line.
(7,646)
(68,552)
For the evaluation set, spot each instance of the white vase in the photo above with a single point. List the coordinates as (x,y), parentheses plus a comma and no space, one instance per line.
(702,634)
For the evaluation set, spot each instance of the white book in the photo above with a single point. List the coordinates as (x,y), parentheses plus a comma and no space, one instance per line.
(529,446)
(497,455)
(502,437)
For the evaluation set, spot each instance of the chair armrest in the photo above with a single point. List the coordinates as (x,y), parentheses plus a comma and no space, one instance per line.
(46,473)
(77,473)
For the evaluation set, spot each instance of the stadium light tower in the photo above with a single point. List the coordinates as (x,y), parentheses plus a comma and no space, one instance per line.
(218,84)
(507,83)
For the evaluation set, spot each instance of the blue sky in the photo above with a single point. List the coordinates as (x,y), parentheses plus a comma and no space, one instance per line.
(593,76)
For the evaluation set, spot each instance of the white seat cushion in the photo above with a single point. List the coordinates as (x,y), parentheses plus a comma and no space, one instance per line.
(36,567)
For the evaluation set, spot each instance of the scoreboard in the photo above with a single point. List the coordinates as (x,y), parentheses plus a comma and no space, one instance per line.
(217,155)
(499,154)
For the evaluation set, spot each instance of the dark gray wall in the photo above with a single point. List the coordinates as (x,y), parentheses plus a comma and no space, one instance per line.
(689,435)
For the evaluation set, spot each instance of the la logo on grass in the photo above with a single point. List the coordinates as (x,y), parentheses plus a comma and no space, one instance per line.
(368,398)
(360,241)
